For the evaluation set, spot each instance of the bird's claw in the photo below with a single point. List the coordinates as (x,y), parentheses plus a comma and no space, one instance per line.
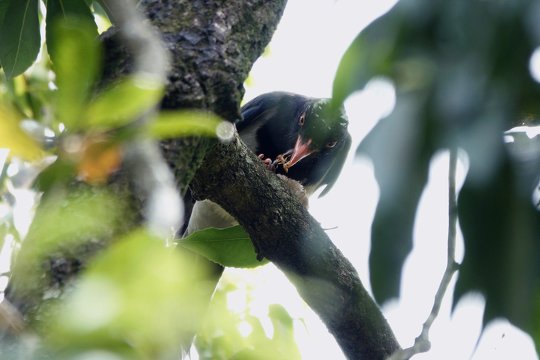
(282,159)
(268,163)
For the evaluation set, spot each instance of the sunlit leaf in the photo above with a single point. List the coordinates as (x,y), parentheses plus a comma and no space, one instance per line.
(101,16)
(283,340)
(169,124)
(75,52)
(121,103)
(228,247)
(101,8)
(13,138)
(239,335)
(19,36)
(138,295)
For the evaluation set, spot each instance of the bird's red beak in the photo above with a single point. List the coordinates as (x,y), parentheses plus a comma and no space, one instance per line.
(301,150)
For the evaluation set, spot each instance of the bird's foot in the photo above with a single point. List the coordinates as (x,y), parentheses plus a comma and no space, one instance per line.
(283,160)
(268,163)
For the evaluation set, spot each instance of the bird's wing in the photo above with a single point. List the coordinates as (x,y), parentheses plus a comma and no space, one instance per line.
(254,115)
(331,176)
(258,109)
(280,108)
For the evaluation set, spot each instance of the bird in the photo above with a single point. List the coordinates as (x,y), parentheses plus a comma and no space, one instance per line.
(302,138)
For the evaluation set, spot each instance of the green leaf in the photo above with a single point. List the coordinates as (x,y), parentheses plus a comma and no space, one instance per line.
(65,219)
(228,247)
(14,138)
(101,8)
(400,154)
(79,12)
(76,56)
(20,38)
(109,308)
(169,124)
(3,8)
(58,173)
(501,229)
(121,103)
(454,87)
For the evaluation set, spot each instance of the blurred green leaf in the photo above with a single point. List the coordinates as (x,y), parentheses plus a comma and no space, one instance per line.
(76,60)
(58,173)
(455,86)
(70,12)
(20,38)
(29,94)
(121,103)
(13,138)
(502,232)
(138,295)
(239,335)
(3,8)
(101,8)
(169,124)
(230,246)
(65,219)
(401,154)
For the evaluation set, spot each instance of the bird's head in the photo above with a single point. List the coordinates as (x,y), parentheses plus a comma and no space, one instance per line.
(321,128)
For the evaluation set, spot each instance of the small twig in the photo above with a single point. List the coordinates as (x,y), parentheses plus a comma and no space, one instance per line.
(422,342)
(151,173)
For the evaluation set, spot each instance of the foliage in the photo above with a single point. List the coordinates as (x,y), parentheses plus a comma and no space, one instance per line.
(109,309)
(458,85)
(230,247)
(67,130)
(240,335)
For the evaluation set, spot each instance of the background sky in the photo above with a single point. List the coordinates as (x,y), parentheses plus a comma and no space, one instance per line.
(303,57)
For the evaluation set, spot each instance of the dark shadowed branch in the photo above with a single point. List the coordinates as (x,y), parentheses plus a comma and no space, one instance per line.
(284,232)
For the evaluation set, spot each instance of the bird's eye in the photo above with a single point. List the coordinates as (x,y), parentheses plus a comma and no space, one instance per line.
(302,119)
(331,144)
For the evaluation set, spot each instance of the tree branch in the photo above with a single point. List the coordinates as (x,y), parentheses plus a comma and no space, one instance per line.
(283,231)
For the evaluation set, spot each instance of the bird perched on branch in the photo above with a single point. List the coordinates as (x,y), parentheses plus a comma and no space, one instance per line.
(302,138)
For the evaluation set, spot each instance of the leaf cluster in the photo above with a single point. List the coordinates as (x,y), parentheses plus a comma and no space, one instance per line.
(458,85)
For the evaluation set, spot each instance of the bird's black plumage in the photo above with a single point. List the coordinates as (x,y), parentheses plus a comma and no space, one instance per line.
(308,134)
(304,138)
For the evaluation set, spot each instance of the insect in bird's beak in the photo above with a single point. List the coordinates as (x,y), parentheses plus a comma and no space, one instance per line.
(301,150)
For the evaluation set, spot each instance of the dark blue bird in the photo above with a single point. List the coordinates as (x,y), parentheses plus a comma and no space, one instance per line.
(303,138)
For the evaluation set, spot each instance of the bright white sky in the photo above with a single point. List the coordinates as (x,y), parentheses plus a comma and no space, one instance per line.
(303,57)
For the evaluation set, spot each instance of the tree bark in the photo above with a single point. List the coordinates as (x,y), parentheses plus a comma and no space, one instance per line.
(283,231)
